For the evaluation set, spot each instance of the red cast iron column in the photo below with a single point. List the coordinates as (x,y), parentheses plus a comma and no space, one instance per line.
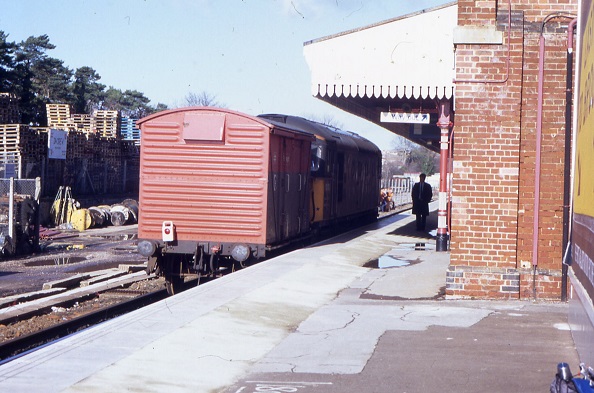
(444,123)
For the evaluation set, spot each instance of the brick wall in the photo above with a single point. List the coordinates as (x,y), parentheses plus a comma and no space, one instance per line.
(477,13)
(495,154)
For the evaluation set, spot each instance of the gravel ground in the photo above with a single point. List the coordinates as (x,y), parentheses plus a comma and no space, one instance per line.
(60,314)
(71,254)
(67,255)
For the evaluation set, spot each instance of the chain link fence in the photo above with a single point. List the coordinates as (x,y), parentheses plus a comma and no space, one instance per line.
(29,187)
(401,188)
(19,214)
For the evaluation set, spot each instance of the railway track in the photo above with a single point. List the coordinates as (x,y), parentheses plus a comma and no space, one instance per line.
(11,349)
(117,297)
(54,316)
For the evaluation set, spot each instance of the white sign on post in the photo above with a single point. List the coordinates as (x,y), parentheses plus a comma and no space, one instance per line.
(402,117)
(56,144)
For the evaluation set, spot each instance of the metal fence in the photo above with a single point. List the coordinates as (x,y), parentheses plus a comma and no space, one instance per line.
(11,213)
(29,187)
(401,187)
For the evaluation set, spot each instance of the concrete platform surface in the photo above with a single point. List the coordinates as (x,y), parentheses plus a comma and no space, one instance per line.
(315,320)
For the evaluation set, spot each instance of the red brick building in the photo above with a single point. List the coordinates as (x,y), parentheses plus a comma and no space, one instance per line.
(497,172)
(483,62)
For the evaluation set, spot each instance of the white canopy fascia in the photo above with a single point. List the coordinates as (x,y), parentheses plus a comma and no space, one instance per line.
(406,57)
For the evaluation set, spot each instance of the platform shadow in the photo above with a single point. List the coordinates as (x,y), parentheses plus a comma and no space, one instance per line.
(410,229)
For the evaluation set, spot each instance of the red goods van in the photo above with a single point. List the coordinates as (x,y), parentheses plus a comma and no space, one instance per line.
(215,181)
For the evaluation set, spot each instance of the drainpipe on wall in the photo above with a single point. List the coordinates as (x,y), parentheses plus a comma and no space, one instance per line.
(567,167)
(540,99)
(541,52)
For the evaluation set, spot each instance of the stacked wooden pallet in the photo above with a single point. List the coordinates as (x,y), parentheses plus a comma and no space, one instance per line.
(59,117)
(77,145)
(97,159)
(42,136)
(21,145)
(106,123)
(10,154)
(10,137)
(83,122)
(19,138)
(9,109)
(111,151)
(107,161)
(129,131)
(130,149)
(33,144)
(58,112)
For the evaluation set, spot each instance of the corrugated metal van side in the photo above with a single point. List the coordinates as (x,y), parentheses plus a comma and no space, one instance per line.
(211,181)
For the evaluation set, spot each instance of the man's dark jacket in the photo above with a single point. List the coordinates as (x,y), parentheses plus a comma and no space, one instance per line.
(421,202)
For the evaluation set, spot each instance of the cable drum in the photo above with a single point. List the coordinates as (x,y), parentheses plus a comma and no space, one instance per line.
(132,205)
(106,212)
(100,218)
(120,215)
(81,220)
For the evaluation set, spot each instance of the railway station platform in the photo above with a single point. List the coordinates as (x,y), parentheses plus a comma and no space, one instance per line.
(361,312)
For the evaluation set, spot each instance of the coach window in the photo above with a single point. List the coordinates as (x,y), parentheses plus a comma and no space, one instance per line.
(340,177)
(318,159)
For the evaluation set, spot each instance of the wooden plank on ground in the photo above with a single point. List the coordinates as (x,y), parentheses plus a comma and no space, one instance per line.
(29,296)
(103,277)
(68,282)
(35,307)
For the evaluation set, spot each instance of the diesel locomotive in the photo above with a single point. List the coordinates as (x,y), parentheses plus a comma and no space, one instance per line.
(219,188)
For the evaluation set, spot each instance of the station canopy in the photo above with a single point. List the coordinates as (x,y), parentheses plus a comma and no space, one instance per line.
(402,65)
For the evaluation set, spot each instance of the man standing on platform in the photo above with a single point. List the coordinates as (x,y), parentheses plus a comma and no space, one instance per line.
(421,196)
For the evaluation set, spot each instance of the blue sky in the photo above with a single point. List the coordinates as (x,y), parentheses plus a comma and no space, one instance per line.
(246,53)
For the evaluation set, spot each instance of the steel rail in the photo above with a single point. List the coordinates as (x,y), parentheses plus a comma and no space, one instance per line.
(17,347)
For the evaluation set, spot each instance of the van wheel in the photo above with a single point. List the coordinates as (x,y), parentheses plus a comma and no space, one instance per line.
(174,279)
(174,284)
